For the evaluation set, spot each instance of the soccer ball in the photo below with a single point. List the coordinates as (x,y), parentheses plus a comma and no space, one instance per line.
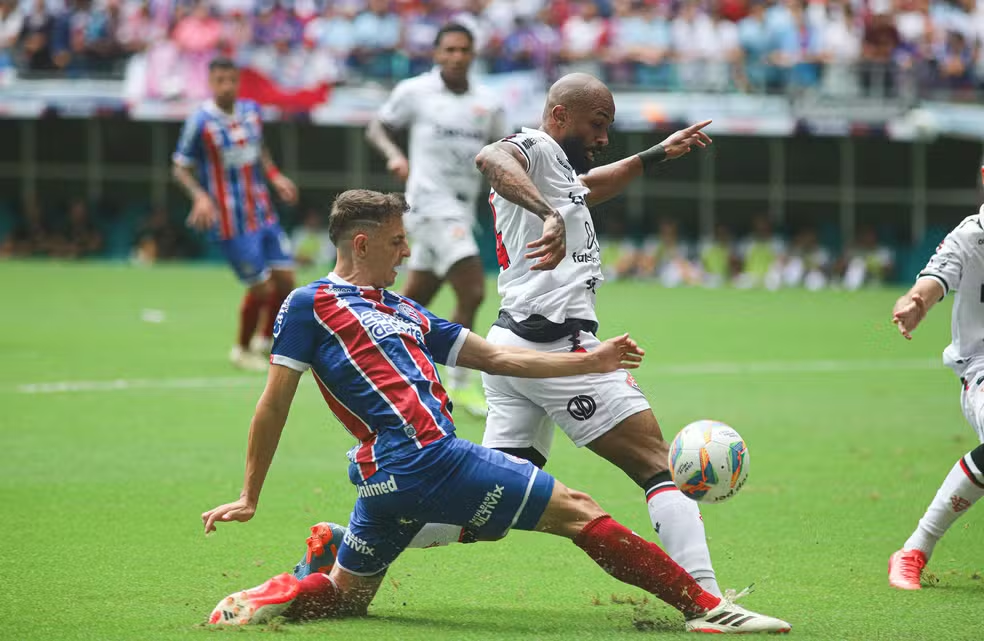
(709,461)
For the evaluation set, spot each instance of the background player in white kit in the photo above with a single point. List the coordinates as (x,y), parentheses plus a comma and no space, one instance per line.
(450,119)
(542,188)
(958,266)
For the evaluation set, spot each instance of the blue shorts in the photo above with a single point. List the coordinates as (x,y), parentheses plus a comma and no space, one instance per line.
(254,254)
(451,481)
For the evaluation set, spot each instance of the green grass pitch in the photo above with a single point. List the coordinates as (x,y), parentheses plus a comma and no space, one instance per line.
(850,430)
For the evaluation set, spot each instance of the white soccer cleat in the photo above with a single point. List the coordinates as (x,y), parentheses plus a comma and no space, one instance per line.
(730,618)
(905,569)
(261,345)
(259,604)
(247,360)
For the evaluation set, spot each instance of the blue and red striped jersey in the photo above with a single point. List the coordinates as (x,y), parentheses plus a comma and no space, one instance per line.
(226,150)
(373,354)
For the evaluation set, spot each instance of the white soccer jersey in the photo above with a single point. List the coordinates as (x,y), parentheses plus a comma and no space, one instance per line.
(568,290)
(959,266)
(447,130)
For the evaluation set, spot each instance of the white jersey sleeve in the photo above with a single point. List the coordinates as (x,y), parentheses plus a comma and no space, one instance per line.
(529,146)
(959,266)
(398,110)
(946,265)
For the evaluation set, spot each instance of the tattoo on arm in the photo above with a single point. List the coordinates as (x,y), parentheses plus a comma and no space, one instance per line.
(504,167)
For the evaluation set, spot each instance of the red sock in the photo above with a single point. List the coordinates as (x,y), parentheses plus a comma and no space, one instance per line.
(273,308)
(249,318)
(631,559)
(318,598)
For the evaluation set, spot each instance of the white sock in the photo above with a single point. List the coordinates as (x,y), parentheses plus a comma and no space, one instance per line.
(434,535)
(681,530)
(963,486)
(459,377)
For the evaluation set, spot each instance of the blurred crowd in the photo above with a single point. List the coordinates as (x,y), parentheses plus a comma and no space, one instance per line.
(658,251)
(143,235)
(840,46)
(762,259)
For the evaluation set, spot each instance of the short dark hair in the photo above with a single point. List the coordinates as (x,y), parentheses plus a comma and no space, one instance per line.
(221,63)
(454,27)
(362,209)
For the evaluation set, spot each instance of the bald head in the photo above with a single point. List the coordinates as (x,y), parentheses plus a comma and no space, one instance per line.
(578,113)
(579,92)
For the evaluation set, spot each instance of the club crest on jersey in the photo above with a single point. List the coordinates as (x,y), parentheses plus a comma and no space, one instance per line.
(278,324)
(407,310)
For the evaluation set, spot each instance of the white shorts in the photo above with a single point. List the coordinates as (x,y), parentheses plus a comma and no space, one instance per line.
(522,411)
(436,244)
(972,402)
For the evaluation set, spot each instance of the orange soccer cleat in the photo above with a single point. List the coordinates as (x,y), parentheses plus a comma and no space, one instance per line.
(904,569)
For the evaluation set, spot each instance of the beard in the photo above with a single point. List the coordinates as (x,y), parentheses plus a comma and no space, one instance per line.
(576,154)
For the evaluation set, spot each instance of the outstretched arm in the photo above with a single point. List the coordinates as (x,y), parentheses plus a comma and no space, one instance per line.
(913,306)
(610,180)
(264,436)
(616,353)
(504,165)
(379,137)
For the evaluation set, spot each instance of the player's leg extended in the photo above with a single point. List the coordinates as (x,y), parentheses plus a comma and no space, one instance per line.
(245,255)
(610,415)
(961,488)
(633,560)
(637,447)
(316,596)
(277,256)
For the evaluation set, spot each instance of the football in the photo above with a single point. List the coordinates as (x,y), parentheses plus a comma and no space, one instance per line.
(709,461)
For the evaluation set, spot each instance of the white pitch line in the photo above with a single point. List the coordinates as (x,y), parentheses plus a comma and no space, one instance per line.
(122,385)
(690,369)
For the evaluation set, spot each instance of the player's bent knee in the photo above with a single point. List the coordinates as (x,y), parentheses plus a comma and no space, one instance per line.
(568,512)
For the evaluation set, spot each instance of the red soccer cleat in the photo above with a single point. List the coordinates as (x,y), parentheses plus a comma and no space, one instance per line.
(904,569)
(259,604)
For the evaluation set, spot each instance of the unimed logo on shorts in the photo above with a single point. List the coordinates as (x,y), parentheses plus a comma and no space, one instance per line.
(581,407)
(375,489)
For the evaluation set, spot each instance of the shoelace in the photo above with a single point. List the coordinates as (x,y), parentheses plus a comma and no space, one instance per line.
(909,567)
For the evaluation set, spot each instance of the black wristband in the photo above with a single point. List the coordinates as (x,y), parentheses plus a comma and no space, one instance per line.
(652,156)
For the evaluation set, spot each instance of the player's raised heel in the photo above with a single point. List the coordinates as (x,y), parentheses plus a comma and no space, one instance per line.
(259,604)
(322,548)
(731,618)
(905,569)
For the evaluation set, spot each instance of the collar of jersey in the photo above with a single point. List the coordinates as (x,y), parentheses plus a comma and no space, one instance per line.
(213,109)
(338,280)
